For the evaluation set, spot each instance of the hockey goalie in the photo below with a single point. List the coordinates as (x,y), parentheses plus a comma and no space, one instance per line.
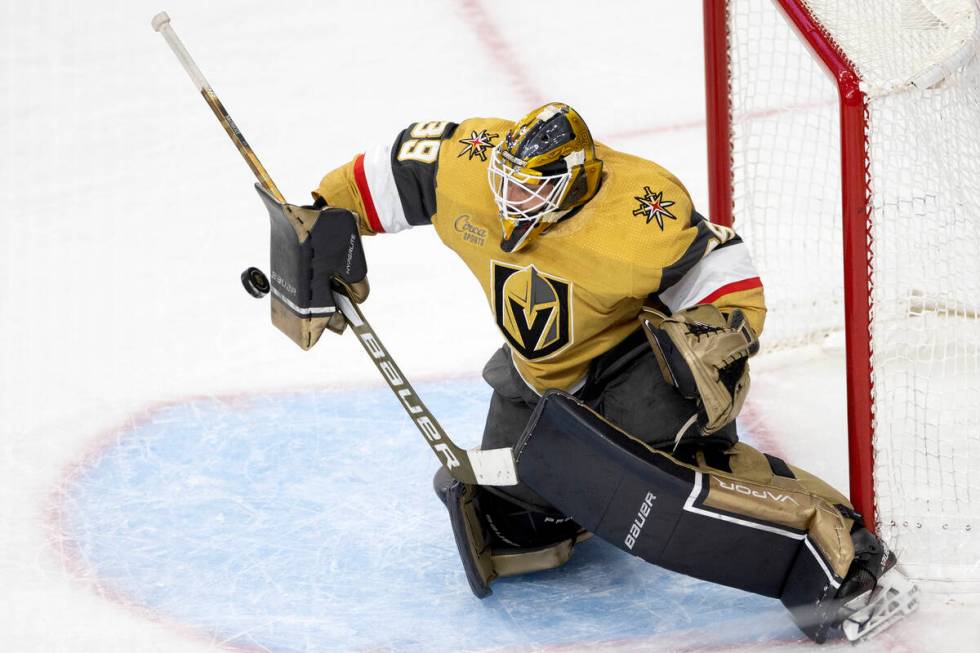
(628,321)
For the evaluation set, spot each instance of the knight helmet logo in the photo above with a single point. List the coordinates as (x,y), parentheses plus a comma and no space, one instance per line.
(533,310)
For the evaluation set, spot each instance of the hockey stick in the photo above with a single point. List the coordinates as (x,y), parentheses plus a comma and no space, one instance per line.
(491,467)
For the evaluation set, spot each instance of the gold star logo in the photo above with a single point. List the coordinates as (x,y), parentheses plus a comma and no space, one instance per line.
(477,144)
(653,206)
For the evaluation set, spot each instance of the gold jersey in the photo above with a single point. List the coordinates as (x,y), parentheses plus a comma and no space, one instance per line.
(576,290)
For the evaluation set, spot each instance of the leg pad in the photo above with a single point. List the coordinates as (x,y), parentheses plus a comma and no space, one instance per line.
(761,535)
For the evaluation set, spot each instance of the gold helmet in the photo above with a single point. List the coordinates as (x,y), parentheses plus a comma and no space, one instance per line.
(545,167)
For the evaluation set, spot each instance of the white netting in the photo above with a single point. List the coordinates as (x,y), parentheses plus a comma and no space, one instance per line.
(786,187)
(924,163)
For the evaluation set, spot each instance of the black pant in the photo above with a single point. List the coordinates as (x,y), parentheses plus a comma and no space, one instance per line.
(624,385)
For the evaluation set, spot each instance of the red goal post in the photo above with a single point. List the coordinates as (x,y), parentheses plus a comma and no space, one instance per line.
(855,198)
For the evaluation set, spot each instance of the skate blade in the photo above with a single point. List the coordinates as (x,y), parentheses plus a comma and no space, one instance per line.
(893,598)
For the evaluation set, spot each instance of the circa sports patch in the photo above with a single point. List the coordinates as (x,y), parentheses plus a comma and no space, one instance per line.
(532,309)
(477,144)
(653,206)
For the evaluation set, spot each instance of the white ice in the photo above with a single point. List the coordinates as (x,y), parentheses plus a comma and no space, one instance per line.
(127,217)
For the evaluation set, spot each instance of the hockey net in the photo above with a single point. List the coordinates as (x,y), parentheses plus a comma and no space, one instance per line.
(873,170)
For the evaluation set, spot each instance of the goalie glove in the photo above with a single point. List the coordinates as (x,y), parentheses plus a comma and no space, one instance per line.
(314,250)
(705,356)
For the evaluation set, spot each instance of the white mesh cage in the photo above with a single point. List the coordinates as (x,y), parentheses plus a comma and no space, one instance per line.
(918,70)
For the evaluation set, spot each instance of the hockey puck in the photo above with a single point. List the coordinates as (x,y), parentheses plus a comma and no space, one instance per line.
(255,282)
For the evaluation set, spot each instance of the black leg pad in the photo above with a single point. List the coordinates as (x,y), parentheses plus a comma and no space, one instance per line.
(651,505)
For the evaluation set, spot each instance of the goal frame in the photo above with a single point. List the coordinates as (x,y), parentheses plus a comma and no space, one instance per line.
(855,208)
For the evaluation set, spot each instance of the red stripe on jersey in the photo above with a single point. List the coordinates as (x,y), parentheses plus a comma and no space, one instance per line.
(736,286)
(362,187)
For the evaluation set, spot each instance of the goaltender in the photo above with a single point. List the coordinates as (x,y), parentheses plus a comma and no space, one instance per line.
(629,319)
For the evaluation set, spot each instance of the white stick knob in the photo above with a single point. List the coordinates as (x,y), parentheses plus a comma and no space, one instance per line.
(160,20)
(161,23)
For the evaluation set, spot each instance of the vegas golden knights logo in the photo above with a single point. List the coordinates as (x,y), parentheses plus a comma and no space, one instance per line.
(533,310)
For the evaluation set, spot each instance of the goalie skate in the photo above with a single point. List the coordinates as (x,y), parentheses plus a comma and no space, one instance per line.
(893,597)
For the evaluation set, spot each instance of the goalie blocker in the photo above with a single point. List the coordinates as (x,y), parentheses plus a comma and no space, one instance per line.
(740,518)
(313,250)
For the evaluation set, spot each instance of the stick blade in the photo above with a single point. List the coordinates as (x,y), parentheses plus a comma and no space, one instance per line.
(493,466)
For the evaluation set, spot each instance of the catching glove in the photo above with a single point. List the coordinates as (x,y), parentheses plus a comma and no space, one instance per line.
(705,356)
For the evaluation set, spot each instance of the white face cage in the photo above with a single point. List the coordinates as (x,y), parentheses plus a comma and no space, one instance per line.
(522,196)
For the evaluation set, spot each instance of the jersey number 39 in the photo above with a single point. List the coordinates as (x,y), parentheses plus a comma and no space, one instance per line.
(423,146)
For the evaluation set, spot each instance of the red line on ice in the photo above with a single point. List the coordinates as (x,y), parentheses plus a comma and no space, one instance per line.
(74,563)
(493,40)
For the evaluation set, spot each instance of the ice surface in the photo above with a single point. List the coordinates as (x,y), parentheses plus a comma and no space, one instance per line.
(140,387)
(307,522)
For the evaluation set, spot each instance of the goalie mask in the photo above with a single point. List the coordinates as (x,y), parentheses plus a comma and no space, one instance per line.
(545,167)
